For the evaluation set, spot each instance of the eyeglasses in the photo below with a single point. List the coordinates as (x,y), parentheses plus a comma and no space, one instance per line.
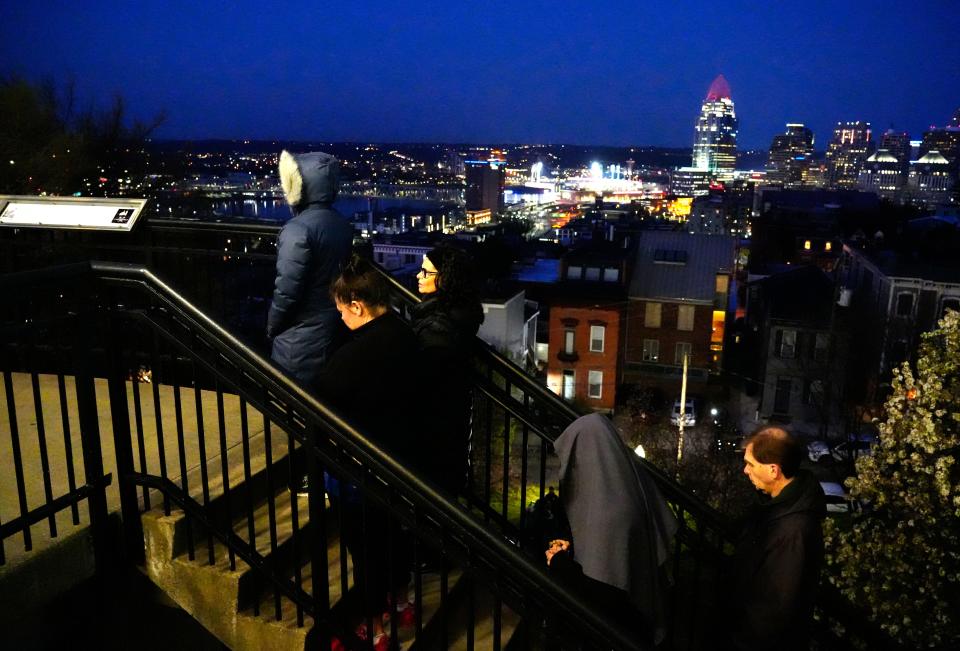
(426,273)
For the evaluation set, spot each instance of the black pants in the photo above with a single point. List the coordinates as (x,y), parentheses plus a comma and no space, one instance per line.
(380,551)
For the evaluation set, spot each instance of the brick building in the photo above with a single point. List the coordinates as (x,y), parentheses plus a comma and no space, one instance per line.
(678,301)
(586,311)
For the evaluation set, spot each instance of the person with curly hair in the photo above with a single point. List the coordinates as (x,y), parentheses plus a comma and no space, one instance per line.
(446,324)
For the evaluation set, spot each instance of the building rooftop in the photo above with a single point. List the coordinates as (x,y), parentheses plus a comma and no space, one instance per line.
(680,266)
(935,157)
(928,249)
(719,89)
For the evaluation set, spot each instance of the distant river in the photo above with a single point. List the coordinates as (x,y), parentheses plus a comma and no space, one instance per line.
(277,210)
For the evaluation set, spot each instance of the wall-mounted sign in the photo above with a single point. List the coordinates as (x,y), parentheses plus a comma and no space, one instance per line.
(70,212)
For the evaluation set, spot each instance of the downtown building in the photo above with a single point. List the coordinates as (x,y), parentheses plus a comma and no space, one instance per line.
(715,137)
(714,143)
(484,192)
(791,152)
(847,152)
(882,173)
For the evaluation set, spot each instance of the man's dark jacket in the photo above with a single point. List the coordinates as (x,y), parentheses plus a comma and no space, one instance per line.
(776,569)
(303,321)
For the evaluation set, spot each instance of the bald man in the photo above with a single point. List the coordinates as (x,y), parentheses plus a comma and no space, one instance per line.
(776,565)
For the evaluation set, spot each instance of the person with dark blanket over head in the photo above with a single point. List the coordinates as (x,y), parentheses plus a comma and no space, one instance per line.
(370,381)
(622,529)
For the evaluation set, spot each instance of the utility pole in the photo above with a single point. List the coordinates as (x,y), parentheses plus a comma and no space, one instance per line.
(683,415)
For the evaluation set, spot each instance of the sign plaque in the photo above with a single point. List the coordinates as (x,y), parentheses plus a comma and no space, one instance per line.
(70,212)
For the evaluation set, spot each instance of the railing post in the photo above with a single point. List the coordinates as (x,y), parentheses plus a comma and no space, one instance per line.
(90,441)
(319,566)
(123,446)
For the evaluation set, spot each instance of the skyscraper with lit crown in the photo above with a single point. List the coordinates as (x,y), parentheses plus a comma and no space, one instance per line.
(715,139)
(849,149)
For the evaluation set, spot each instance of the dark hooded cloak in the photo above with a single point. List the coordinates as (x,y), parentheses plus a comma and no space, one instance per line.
(622,527)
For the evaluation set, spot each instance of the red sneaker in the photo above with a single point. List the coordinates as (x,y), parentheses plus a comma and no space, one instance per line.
(407,616)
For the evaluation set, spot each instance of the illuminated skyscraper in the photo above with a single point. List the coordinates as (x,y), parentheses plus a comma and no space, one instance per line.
(715,139)
(898,144)
(946,141)
(882,173)
(851,145)
(790,156)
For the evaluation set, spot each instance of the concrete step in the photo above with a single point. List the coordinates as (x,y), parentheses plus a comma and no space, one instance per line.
(231,505)
(222,598)
(466,596)
(218,595)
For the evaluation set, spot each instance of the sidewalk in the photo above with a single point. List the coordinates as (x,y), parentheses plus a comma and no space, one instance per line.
(56,446)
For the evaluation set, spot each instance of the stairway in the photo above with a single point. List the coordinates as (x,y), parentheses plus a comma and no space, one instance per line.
(232,601)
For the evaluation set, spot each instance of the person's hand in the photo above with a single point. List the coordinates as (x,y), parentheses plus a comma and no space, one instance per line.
(556,546)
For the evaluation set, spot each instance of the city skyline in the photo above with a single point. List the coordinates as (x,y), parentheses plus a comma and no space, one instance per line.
(516,74)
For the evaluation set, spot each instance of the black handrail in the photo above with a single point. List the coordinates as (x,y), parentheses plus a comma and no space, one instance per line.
(529,583)
(702,516)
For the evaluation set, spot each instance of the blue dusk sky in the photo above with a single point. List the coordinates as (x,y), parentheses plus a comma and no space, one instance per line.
(614,73)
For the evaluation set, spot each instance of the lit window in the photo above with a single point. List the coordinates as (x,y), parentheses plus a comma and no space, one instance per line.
(651,350)
(685,317)
(595,384)
(806,245)
(611,275)
(568,338)
(597,333)
(573,272)
(652,315)
(828,246)
(569,384)
(593,273)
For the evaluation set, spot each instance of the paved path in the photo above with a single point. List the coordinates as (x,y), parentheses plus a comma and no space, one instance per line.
(27,419)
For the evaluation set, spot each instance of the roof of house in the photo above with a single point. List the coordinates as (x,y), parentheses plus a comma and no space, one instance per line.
(680,266)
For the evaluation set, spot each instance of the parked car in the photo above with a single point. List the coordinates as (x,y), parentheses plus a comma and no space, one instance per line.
(856,446)
(689,414)
(817,450)
(838,499)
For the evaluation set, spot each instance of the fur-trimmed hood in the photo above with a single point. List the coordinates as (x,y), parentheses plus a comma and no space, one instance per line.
(309,178)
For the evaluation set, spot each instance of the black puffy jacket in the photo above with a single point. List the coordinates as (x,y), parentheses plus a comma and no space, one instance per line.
(446,335)
(303,321)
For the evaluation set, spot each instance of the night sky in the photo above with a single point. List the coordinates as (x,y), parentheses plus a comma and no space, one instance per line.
(616,73)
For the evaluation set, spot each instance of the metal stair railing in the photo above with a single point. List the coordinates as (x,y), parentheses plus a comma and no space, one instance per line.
(506,401)
(131,319)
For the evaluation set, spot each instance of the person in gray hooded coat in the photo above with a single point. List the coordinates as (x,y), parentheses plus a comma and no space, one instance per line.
(622,527)
(303,321)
